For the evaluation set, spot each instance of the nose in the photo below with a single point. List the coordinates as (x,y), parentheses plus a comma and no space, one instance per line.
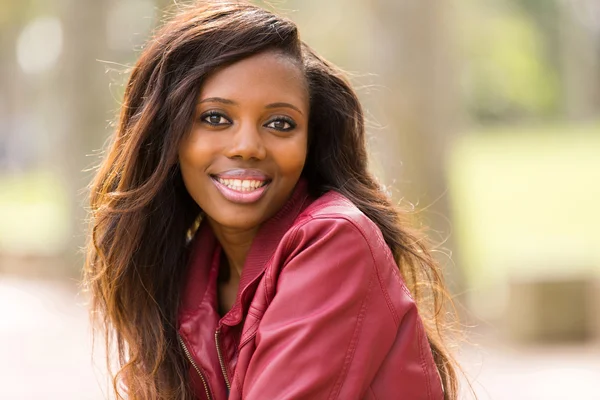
(247,144)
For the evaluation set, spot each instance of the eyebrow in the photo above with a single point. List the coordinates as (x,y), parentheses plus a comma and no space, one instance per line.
(286,105)
(217,100)
(231,102)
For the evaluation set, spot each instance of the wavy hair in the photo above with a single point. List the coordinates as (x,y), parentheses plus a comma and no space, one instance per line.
(140,210)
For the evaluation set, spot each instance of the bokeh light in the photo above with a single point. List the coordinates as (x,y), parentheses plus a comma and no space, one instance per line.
(40,44)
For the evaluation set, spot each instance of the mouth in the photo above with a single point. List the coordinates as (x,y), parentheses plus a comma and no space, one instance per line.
(241,185)
(241,189)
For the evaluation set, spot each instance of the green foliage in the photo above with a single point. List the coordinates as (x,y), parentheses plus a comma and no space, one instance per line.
(508,72)
(34,213)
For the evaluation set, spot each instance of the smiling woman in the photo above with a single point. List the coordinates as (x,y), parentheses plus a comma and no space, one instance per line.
(239,247)
(248,143)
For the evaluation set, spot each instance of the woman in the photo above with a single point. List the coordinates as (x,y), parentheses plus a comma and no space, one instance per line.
(240,248)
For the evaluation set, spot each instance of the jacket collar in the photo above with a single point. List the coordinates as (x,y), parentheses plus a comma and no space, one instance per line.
(205,245)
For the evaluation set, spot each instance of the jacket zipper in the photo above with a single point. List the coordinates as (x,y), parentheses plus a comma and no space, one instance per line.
(189,357)
(221,360)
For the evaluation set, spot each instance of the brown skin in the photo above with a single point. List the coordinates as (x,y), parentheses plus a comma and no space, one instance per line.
(236,125)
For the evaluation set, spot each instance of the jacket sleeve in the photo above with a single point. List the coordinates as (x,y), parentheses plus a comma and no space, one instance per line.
(331,322)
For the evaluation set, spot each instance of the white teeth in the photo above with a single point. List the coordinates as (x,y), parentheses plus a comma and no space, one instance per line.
(242,185)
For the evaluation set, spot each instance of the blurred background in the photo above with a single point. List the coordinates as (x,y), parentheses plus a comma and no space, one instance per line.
(483,117)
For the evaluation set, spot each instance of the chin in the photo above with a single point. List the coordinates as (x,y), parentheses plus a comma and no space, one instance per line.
(239,221)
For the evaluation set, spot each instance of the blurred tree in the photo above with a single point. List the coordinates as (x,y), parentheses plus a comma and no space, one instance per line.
(413,49)
(572,50)
(530,59)
(85,99)
(12,16)
(580,61)
(508,68)
(545,14)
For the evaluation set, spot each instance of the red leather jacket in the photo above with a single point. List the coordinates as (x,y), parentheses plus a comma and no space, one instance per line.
(321,313)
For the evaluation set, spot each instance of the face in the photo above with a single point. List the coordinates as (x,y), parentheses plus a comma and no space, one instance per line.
(247,148)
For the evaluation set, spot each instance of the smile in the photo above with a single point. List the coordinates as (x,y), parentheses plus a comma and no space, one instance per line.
(241,191)
(242,185)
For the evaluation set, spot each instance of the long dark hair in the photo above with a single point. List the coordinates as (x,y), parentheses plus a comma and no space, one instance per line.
(140,210)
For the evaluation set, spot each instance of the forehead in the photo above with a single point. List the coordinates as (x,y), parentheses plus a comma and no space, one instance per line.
(264,75)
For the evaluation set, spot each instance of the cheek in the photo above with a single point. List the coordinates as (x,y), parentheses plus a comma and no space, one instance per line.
(193,160)
(194,152)
(291,157)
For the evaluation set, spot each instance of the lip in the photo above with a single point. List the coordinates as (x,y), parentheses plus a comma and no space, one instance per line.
(240,197)
(244,173)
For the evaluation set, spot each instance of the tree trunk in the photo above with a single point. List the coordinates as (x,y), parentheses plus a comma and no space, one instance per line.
(580,54)
(84,93)
(413,49)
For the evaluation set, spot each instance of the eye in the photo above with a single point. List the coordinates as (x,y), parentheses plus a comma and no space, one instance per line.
(283,124)
(214,118)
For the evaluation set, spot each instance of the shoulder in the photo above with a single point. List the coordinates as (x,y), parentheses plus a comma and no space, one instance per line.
(333,241)
(334,218)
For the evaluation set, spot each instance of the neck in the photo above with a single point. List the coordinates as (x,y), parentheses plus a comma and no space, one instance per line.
(236,245)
